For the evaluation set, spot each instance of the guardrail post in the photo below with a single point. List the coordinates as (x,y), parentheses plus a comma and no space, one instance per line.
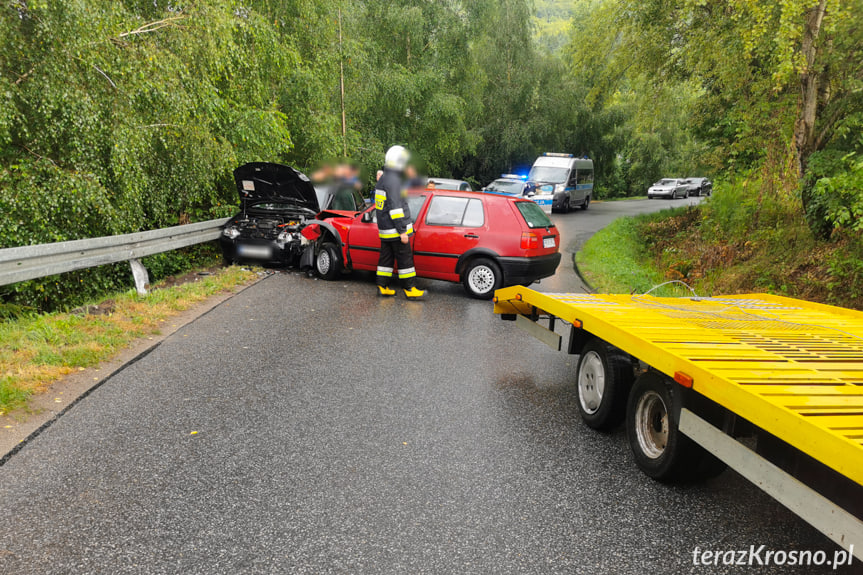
(142,278)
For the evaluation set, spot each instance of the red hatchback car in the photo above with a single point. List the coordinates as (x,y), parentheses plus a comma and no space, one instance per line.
(485,241)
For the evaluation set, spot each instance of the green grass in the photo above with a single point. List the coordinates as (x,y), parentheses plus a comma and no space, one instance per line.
(615,260)
(38,349)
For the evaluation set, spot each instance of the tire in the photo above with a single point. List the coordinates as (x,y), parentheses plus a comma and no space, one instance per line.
(660,450)
(567,205)
(586,203)
(328,265)
(603,380)
(685,194)
(481,278)
(227,261)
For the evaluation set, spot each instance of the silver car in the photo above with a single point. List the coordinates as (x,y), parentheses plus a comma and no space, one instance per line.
(667,188)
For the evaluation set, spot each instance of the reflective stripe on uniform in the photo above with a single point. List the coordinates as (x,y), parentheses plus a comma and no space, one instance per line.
(385,271)
(410,229)
(380,198)
(397,213)
(408,273)
(388,233)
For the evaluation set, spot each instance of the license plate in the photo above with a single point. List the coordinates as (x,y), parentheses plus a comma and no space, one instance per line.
(548,242)
(261,252)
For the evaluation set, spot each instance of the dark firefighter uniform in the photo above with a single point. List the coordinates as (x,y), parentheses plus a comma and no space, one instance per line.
(394,219)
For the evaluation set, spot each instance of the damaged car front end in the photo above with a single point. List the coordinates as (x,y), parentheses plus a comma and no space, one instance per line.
(276,202)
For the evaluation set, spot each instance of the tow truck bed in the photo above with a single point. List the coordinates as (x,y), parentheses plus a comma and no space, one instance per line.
(791,368)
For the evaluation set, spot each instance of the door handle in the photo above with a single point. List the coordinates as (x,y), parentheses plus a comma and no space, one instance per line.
(472,236)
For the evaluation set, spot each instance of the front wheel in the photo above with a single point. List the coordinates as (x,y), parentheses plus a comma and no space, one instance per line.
(586,203)
(327,263)
(604,378)
(481,278)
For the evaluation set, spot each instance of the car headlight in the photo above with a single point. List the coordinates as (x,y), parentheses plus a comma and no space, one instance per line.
(285,236)
(560,187)
(231,232)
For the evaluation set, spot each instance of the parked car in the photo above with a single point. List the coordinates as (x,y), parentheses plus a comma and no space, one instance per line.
(276,202)
(667,188)
(484,241)
(511,185)
(698,186)
(449,184)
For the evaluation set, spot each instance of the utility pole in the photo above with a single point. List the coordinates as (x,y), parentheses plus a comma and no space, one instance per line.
(342,89)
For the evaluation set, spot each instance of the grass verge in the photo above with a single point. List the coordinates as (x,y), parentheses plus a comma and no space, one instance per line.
(38,349)
(616,259)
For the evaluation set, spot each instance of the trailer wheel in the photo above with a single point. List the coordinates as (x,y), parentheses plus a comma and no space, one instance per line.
(660,449)
(604,378)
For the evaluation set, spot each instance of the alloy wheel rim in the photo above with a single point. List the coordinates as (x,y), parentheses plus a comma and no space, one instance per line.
(323,262)
(481,279)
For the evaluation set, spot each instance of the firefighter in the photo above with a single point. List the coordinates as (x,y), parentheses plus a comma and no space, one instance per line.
(394,226)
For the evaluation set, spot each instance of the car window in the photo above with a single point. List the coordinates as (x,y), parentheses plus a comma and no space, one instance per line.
(343,200)
(506,187)
(548,174)
(533,215)
(465,187)
(585,176)
(415,204)
(451,211)
(473,216)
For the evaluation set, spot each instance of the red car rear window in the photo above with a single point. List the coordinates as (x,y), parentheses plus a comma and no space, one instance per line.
(533,215)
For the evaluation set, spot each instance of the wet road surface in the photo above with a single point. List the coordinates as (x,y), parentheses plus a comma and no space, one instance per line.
(309,427)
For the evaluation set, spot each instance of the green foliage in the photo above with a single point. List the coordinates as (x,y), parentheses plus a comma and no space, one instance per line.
(617,259)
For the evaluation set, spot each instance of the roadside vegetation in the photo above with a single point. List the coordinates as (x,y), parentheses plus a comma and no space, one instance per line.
(37,349)
(734,242)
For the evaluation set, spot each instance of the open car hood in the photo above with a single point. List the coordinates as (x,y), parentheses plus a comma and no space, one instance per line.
(264,182)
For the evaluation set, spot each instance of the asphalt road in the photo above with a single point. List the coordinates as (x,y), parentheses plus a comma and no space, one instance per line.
(309,427)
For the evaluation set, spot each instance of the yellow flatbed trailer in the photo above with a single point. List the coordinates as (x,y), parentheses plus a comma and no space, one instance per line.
(786,372)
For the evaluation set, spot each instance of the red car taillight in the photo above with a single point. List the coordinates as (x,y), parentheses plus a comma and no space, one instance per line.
(530,241)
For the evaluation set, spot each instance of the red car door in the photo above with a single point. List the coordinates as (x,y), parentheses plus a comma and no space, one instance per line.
(451,225)
(364,245)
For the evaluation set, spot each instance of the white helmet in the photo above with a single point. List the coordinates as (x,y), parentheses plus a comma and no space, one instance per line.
(396,158)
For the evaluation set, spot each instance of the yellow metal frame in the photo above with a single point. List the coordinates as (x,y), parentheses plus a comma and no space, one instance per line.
(793,368)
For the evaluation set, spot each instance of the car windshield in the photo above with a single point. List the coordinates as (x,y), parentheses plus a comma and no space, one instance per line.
(666,182)
(533,215)
(506,187)
(548,174)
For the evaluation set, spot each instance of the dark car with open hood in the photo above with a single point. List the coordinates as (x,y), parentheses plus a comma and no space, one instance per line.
(276,202)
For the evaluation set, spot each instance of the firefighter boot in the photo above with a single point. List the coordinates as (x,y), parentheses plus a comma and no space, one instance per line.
(414,293)
(386,291)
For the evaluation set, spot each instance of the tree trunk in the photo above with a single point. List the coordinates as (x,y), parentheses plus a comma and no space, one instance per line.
(804,127)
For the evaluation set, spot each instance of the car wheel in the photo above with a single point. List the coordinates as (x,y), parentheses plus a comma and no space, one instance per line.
(660,450)
(567,205)
(327,263)
(586,203)
(685,194)
(604,378)
(228,261)
(481,278)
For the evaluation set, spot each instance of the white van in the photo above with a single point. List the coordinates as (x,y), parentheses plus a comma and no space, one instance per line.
(562,180)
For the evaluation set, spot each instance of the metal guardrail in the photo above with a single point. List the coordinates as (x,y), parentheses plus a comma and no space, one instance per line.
(31,262)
